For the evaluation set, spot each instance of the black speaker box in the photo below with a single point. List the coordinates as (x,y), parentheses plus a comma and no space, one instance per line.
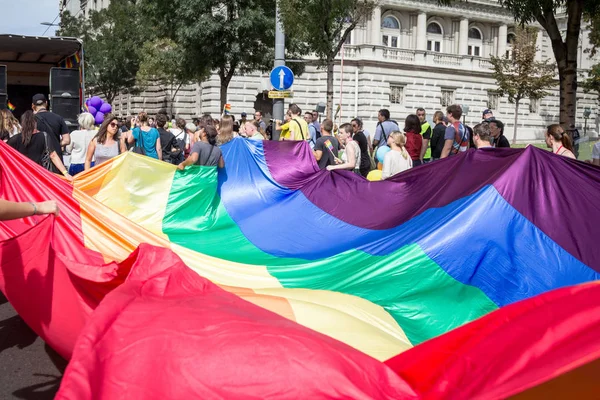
(68,108)
(64,81)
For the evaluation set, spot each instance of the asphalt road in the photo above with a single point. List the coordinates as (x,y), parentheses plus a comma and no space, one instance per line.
(29,368)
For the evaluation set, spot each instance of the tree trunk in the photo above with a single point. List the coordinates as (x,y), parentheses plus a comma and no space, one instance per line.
(225,77)
(516,120)
(568,97)
(330,65)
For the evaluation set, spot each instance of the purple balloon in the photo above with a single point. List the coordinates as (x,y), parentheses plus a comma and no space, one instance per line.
(87,102)
(99,117)
(92,110)
(96,102)
(105,108)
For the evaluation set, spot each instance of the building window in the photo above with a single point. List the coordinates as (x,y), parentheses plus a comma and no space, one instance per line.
(493,100)
(533,106)
(390,28)
(396,94)
(510,39)
(447,98)
(434,37)
(475,41)
(474,50)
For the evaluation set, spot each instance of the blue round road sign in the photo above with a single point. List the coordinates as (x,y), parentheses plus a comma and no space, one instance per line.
(282,78)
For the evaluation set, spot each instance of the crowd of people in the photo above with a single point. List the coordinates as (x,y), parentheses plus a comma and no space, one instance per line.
(42,135)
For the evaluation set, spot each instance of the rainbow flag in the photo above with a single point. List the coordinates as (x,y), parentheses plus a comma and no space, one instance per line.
(10,106)
(227,109)
(377,289)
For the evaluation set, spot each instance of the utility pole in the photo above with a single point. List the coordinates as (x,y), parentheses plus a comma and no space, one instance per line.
(278,104)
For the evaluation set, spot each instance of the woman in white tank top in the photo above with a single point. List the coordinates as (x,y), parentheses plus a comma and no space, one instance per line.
(350,159)
(105,144)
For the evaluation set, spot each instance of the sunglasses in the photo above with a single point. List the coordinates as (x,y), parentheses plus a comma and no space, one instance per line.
(113,125)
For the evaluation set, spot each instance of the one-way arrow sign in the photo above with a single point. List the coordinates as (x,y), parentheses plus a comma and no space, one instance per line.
(282,78)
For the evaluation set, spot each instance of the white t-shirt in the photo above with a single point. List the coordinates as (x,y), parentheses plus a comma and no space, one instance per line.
(596,151)
(80,141)
(394,163)
(181,135)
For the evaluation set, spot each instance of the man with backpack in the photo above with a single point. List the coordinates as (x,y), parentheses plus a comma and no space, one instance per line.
(384,128)
(298,126)
(314,133)
(456,138)
(170,148)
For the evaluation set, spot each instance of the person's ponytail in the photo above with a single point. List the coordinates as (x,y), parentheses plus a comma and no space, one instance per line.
(567,142)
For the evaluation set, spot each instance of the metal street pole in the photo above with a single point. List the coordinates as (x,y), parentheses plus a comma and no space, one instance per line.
(278,104)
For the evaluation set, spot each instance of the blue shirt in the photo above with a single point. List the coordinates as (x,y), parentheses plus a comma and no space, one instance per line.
(149,138)
(313,135)
(389,126)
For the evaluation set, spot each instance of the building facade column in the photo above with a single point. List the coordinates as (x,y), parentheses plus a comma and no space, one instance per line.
(502,31)
(376,26)
(422,31)
(538,44)
(464,36)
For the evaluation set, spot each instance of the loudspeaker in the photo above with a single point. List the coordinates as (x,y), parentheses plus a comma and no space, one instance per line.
(64,82)
(3,79)
(3,100)
(68,108)
(320,108)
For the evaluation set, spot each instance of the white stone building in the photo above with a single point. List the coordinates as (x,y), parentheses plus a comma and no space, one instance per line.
(409,54)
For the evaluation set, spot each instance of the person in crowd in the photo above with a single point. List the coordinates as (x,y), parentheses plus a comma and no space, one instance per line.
(497,134)
(488,115)
(437,136)
(258,116)
(426,134)
(350,159)
(147,135)
(482,135)
(151,122)
(596,154)
(316,123)
(51,123)
(414,140)
(9,126)
(559,141)
(226,133)
(327,146)
(13,210)
(397,159)
(456,137)
(384,127)
(35,144)
(298,126)
(205,151)
(243,119)
(253,130)
(106,144)
(308,117)
(178,130)
(127,124)
(363,143)
(171,152)
(285,127)
(80,140)
(190,133)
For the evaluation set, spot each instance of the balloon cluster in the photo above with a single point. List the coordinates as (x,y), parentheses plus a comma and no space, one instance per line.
(98,108)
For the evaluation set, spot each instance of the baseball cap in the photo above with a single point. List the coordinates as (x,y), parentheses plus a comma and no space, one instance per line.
(38,99)
(244,114)
(191,127)
(487,111)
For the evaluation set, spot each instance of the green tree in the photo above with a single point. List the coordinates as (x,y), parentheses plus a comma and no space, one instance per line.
(519,76)
(229,37)
(592,83)
(163,62)
(565,48)
(324,25)
(112,39)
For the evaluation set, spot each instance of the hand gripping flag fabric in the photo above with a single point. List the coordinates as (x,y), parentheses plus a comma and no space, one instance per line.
(379,267)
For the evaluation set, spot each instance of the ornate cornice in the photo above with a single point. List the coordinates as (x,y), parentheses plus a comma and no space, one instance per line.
(481,11)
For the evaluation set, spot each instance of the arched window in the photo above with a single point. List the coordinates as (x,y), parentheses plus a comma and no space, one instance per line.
(510,39)
(434,37)
(390,31)
(475,42)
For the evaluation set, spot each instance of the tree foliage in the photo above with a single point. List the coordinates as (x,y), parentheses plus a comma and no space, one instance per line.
(228,37)
(324,26)
(592,83)
(111,38)
(519,75)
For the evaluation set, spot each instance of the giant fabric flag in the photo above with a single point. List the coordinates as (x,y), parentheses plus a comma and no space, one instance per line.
(332,264)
